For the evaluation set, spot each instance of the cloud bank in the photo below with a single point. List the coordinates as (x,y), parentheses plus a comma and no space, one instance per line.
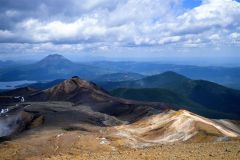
(103,24)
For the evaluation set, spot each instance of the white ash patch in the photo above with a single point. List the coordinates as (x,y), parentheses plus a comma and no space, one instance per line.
(103,140)
(168,127)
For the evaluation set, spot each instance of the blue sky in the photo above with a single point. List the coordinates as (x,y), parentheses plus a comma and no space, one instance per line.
(191,3)
(120,29)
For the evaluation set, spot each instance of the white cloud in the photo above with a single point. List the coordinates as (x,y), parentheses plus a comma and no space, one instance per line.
(235,35)
(11,13)
(5,34)
(130,22)
(81,29)
(214,37)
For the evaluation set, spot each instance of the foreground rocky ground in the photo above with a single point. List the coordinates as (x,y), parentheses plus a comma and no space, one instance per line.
(211,151)
(95,143)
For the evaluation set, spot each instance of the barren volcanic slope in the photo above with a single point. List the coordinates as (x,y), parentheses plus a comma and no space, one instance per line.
(172,126)
(82,92)
(76,118)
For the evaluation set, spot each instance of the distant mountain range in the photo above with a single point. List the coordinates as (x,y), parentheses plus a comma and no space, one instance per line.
(7,63)
(112,77)
(181,90)
(56,66)
(228,76)
(117,77)
(50,68)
